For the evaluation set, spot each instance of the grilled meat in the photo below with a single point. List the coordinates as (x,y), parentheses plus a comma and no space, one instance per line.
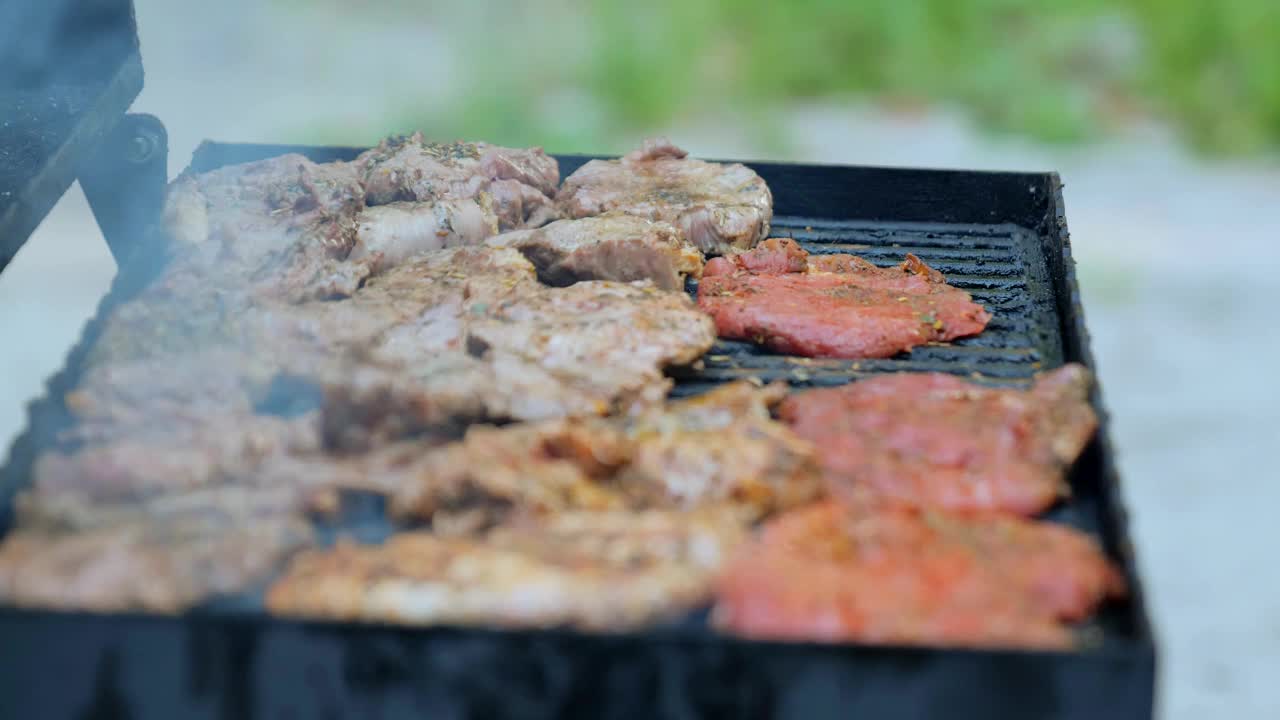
(295,230)
(719,208)
(391,234)
(478,482)
(612,338)
(834,306)
(935,440)
(150,565)
(516,185)
(284,227)
(600,571)
(452,337)
(876,575)
(607,247)
(156,471)
(404,314)
(167,393)
(440,396)
(721,448)
(589,349)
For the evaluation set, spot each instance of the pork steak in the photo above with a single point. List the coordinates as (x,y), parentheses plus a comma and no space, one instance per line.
(607,247)
(935,440)
(600,571)
(719,208)
(514,184)
(151,565)
(835,573)
(718,449)
(837,306)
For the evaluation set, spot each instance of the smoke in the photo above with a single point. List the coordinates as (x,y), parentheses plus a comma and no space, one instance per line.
(63,42)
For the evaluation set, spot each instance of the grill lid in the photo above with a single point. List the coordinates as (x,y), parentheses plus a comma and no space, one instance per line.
(69,69)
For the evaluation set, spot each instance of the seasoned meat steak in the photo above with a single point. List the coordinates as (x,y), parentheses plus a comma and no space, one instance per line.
(612,338)
(151,565)
(292,229)
(599,571)
(718,447)
(607,247)
(438,397)
(157,471)
(833,306)
(390,234)
(283,227)
(516,185)
(930,439)
(721,448)
(589,349)
(404,314)
(478,482)
(451,337)
(719,208)
(869,574)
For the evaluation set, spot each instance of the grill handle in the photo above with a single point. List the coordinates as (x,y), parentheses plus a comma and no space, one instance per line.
(124,182)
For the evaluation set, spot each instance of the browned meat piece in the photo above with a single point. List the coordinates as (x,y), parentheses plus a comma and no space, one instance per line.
(935,440)
(607,247)
(283,226)
(541,467)
(718,449)
(115,399)
(441,395)
(403,315)
(154,468)
(457,336)
(250,210)
(151,566)
(292,229)
(833,306)
(274,489)
(516,185)
(611,338)
(600,571)
(401,230)
(719,208)
(589,349)
(875,575)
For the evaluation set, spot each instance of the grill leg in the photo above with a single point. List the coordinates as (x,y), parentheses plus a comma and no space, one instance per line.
(125,180)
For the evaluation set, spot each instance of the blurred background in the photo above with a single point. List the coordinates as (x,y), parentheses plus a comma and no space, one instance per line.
(1163,117)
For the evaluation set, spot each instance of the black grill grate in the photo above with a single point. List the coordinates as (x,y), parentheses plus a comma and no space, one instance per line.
(1002,266)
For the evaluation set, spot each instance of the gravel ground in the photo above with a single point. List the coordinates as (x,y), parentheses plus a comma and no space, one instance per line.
(1178,259)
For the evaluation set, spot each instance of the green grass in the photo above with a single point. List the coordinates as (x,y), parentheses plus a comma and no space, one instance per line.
(1060,72)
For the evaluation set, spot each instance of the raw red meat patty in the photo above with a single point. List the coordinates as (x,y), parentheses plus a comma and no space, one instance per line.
(837,306)
(930,439)
(834,573)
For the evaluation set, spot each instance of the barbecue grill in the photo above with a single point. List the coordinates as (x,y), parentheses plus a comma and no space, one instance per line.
(1000,236)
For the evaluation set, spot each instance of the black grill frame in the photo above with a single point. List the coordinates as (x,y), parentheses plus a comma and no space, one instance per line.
(222,661)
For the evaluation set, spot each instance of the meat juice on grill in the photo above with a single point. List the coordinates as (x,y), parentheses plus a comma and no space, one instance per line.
(837,306)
